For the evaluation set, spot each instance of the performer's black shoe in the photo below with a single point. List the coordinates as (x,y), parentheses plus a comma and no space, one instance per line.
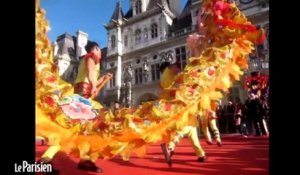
(89,166)
(166,154)
(202,159)
(48,161)
(171,153)
(209,142)
(219,144)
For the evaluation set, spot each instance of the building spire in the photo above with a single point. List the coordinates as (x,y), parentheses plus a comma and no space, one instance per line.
(118,12)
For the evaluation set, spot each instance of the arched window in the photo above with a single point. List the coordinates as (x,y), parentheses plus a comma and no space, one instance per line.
(113,41)
(138,37)
(138,7)
(154,30)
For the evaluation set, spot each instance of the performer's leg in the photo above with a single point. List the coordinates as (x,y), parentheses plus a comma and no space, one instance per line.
(215,131)
(179,135)
(244,129)
(169,150)
(256,126)
(167,153)
(240,129)
(262,126)
(83,150)
(193,136)
(53,141)
(94,156)
(54,147)
(205,129)
(50,152)
(265,126)
(87,162)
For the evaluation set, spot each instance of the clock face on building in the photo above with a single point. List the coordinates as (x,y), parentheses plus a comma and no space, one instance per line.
(246,1)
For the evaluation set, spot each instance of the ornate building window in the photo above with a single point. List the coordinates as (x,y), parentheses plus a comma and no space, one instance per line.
(138,75)
(113,41)
(138,7)
(155,73)
(154,30)
(138,36)
(181,56)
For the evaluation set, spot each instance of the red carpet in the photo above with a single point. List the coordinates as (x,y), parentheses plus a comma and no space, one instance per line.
(238,156)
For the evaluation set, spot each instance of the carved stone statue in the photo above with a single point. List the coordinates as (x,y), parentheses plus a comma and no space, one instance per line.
(163,57)
(146,69)
(169,57)
(128,75)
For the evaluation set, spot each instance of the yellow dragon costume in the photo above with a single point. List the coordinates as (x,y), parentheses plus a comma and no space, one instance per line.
(71,122)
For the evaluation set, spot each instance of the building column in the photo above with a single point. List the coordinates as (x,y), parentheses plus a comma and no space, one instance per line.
(119,60)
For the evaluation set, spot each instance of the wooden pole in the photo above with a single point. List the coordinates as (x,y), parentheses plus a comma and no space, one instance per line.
(106,79)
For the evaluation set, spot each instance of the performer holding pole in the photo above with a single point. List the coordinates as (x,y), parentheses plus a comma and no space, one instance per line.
(86,85)
(89,70)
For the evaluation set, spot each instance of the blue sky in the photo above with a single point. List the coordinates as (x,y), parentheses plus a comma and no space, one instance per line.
(86,15)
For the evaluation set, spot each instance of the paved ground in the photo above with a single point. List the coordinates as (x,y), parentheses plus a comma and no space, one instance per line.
(237,156)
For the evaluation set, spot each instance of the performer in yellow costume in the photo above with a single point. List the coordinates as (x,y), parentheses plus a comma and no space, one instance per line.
(169,76)
(208,120)
(86,81)
(85,85)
